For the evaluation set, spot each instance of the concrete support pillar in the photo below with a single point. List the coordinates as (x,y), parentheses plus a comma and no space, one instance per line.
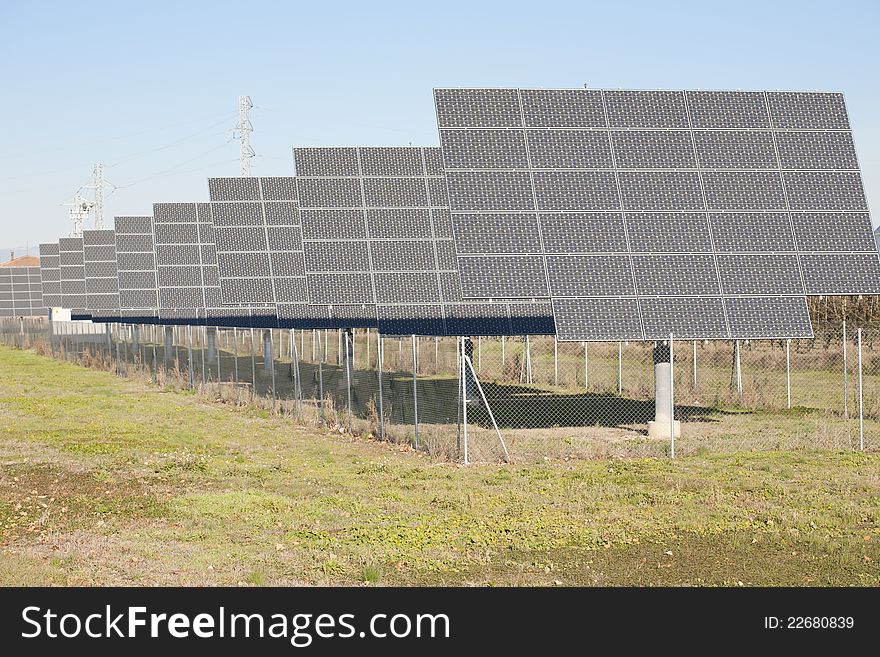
(660,427)
(212,343)
(169,346)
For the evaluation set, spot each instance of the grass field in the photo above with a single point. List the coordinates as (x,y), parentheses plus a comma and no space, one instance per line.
(111,481)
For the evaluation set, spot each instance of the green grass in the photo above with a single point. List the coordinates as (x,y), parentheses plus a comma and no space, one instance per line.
(110,481)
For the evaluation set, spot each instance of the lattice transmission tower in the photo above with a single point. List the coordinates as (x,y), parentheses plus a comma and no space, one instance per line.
(244,135)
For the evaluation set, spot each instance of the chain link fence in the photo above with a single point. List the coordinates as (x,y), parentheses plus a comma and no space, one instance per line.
(525,398)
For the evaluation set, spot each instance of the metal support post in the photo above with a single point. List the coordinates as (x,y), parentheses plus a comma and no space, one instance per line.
(379,365)
(190,355)
(671,400)
(415,365)
(788,370)
(620,368)
(464,400)
(861,399)
(845,376)
(488,408)
(348,340)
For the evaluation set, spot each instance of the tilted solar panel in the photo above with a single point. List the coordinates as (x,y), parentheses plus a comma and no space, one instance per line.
(71,274)
(705,214)
(21,292)
(101,277)
(187,274)
(377,243)
(258,238)
(136,270)
(50,275)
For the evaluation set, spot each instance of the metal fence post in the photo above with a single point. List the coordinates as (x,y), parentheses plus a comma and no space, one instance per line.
(253,367)
(586,366)
(555,361)
(348,336)
(217,349)
(415,365)
(528,360)
(379,358)
(671,400)
(269,361)
(322,355)
(738,370)
(861,401)
(190,355)
(125,346)
(695,365)
(297,382)
(845,377)
(620,368)
(235,357)
(107,330)
(462,376)
(155,355)
(788,369)
(116,330)
(202,348)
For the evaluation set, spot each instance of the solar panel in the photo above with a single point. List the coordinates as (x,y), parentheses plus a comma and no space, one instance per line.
(21,292)
(377,246)
(187,274)
(136,269)
(649,212)
(101,277)
(258,236)
(50,275)
(71,274)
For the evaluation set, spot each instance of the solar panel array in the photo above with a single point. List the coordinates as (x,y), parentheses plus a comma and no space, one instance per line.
(50,275)
(187,273)
(136,269)
(258,237)
(378,246)
(591,214)
(21,293)
(704,214)
(71,274)
(101,277)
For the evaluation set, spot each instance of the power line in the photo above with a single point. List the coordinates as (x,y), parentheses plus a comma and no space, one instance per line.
(175,168)
(226,117)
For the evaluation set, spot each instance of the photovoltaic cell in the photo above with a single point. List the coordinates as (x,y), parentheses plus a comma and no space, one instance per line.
(720,206)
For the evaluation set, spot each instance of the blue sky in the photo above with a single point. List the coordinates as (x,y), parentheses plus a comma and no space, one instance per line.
(151,88)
